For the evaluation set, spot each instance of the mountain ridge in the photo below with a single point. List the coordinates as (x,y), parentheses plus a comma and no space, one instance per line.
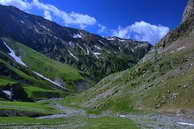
(153,88)
(91,54)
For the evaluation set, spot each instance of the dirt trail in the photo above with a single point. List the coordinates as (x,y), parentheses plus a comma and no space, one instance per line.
(67,112)
(145,121)
(160,121)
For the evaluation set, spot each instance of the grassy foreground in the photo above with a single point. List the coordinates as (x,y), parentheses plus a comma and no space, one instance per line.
(81,123)
(27,107)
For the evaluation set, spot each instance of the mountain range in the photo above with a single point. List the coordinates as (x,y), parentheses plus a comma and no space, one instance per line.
(89,53)
(86,80)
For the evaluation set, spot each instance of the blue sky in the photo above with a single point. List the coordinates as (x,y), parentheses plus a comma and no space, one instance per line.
(145,20)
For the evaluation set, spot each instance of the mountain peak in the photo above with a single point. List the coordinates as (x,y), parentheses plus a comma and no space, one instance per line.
(189,11)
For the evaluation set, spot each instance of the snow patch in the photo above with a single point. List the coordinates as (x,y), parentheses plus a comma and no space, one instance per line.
(44,27)
(122,40)
(132,50)
(120,48)
(88,52)
(98,47)
(13,55)
(81,48)
(97,54)
(71,43)
(36,30)
(100,41)
(73,55)
(183,123)
(111,38)
(181,48)
(8,93)
(21,21)
(122,116)
(77,36)
(53,116)
(45,78)
(55,37)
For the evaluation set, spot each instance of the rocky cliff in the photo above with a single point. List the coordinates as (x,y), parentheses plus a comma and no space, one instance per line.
(189,11)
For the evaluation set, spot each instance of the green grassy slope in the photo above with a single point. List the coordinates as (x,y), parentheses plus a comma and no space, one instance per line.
(36,88)
(5,81)
(15,75)
(163,82)
(43,64)
(30,108)
(69,123)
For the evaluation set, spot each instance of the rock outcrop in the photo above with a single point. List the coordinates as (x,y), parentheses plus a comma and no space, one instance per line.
(189,11)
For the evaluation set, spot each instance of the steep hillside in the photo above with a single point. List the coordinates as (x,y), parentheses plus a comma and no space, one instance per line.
(61,73)
(28,75)
(21,84)
(162,81)
(94,55)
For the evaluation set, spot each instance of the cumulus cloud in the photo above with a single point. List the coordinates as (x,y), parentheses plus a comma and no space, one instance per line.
(101,28)
(142,31)
(21,4)
(71,18)
(47,15)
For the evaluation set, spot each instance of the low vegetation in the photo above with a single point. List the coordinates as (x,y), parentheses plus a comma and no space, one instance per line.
(165,81)
(25,108)
(43,64)
(70,123)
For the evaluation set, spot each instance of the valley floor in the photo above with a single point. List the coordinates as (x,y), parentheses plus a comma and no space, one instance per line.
(74,118)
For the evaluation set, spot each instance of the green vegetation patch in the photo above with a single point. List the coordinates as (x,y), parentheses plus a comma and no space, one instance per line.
(5,81)
(24,74)
(28,107)
(40,63)
(146,86)
(70,123)
(109,123)
(40,93)
(20,121)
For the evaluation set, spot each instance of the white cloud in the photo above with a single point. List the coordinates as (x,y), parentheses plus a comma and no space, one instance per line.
(68,18)
(49,10)
(142,31)
(21,4)
(47,15)
(102,28)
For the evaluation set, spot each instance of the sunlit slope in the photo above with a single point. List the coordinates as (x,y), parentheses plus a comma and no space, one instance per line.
(43,64)
(163,80)
(23,77)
